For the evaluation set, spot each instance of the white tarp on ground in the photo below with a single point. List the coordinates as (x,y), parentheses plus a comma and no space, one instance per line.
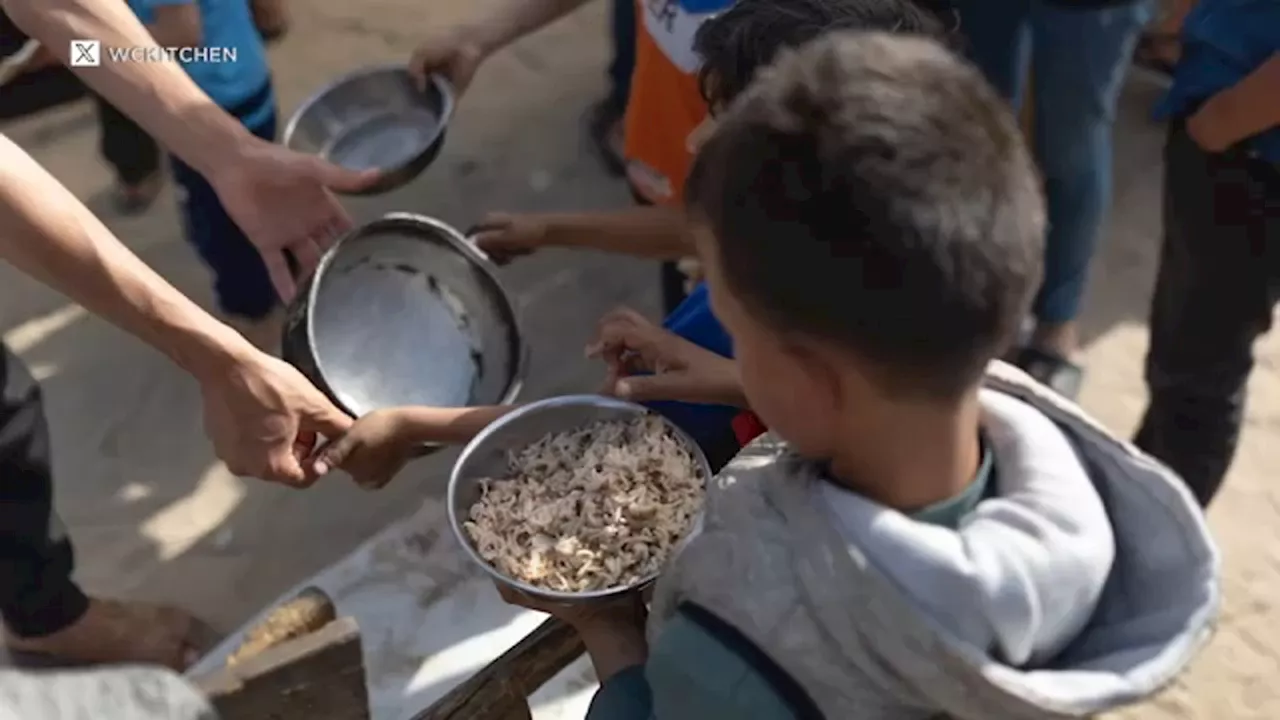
(428,619)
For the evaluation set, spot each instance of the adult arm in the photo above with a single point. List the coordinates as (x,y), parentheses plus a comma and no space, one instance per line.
(456,51)
(261,415)
(157,95)
(280,199)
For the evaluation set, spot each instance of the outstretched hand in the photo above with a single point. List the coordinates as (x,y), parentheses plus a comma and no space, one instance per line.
(284,202)
(648,363)
(265,419)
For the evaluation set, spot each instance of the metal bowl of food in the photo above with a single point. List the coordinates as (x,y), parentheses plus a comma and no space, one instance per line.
(404,310)
(585,432)
(375,119)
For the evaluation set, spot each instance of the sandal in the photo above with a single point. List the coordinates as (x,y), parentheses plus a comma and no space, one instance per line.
(1051,370)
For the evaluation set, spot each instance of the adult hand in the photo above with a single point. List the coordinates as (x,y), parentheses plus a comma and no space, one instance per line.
(678,369)
(265,419)
(504,237)
(454,52)
(283,201)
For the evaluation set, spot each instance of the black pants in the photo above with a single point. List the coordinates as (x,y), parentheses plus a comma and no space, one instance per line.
(1218,282)
(37,596)
(133,154)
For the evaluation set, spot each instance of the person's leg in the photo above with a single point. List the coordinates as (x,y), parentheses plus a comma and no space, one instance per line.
(241,282)
(997,40)
(37,596)
(1079,60)
(132,153)
(1215,291)
(270,17)
(623,27)
(605,119)
(45,613)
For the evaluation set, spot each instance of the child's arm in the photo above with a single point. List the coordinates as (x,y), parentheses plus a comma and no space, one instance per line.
(648,232)
(1243,110)
(176,23)
(380,443)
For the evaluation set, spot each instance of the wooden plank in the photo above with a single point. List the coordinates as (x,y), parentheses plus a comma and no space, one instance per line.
(315,677)
(500,690)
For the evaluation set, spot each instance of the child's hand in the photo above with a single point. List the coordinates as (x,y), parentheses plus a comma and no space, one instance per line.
(627,609)
(680,370)
(505,237)
(372,451)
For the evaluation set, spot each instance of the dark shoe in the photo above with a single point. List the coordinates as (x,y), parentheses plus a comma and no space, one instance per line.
(1053,371)
(604,127)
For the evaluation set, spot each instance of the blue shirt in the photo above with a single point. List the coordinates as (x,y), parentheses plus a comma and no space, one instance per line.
(1222,42)
(225,25)
(693,321)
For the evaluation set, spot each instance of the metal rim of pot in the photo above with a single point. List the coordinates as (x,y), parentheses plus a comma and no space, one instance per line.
(305,302)
(392,177)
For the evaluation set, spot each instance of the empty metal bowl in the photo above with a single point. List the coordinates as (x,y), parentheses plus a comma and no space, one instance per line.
(486,457)
(377,119)
(406,311)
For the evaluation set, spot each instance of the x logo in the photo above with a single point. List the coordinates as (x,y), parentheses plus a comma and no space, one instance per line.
(86,53)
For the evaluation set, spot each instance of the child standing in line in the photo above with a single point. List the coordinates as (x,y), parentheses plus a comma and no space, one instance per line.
(1219,277)
(926,532)
(729,47)
(242,87)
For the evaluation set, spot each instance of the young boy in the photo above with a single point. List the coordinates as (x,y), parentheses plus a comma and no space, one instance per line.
(731,47)
(242,87)
(1219,275)
(909,544)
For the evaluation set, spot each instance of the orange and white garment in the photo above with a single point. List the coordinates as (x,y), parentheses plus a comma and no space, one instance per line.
(665,106)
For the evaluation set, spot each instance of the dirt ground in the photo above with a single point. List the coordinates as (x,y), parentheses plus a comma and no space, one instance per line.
(154,516)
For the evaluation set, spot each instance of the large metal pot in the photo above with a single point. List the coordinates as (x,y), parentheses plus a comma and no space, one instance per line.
(404,310)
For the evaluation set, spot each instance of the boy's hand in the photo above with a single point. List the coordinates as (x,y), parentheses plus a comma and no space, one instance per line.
(372,451)
(630,344)
(505,237)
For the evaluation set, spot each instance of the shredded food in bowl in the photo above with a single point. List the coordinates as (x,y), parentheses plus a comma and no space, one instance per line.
(595,508)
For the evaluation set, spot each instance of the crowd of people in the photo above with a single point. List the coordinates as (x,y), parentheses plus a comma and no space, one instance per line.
(901,527)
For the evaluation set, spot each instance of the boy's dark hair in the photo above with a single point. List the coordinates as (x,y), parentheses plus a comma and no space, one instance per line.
(735,44)
(873,191)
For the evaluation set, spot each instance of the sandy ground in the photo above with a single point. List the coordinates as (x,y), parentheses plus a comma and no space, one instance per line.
(154,516)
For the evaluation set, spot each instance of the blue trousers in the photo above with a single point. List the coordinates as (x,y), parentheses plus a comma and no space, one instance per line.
(1078,58)
(241,283)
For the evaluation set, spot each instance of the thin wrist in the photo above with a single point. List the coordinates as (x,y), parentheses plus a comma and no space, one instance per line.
(204,349)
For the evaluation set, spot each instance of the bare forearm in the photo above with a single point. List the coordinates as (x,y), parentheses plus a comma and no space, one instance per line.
(48,234)
(449,425)
(1252,105)
(512,19)
(650,232)
(158,96)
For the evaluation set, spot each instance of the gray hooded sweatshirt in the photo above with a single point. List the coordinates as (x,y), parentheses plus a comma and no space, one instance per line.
(1086,580)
